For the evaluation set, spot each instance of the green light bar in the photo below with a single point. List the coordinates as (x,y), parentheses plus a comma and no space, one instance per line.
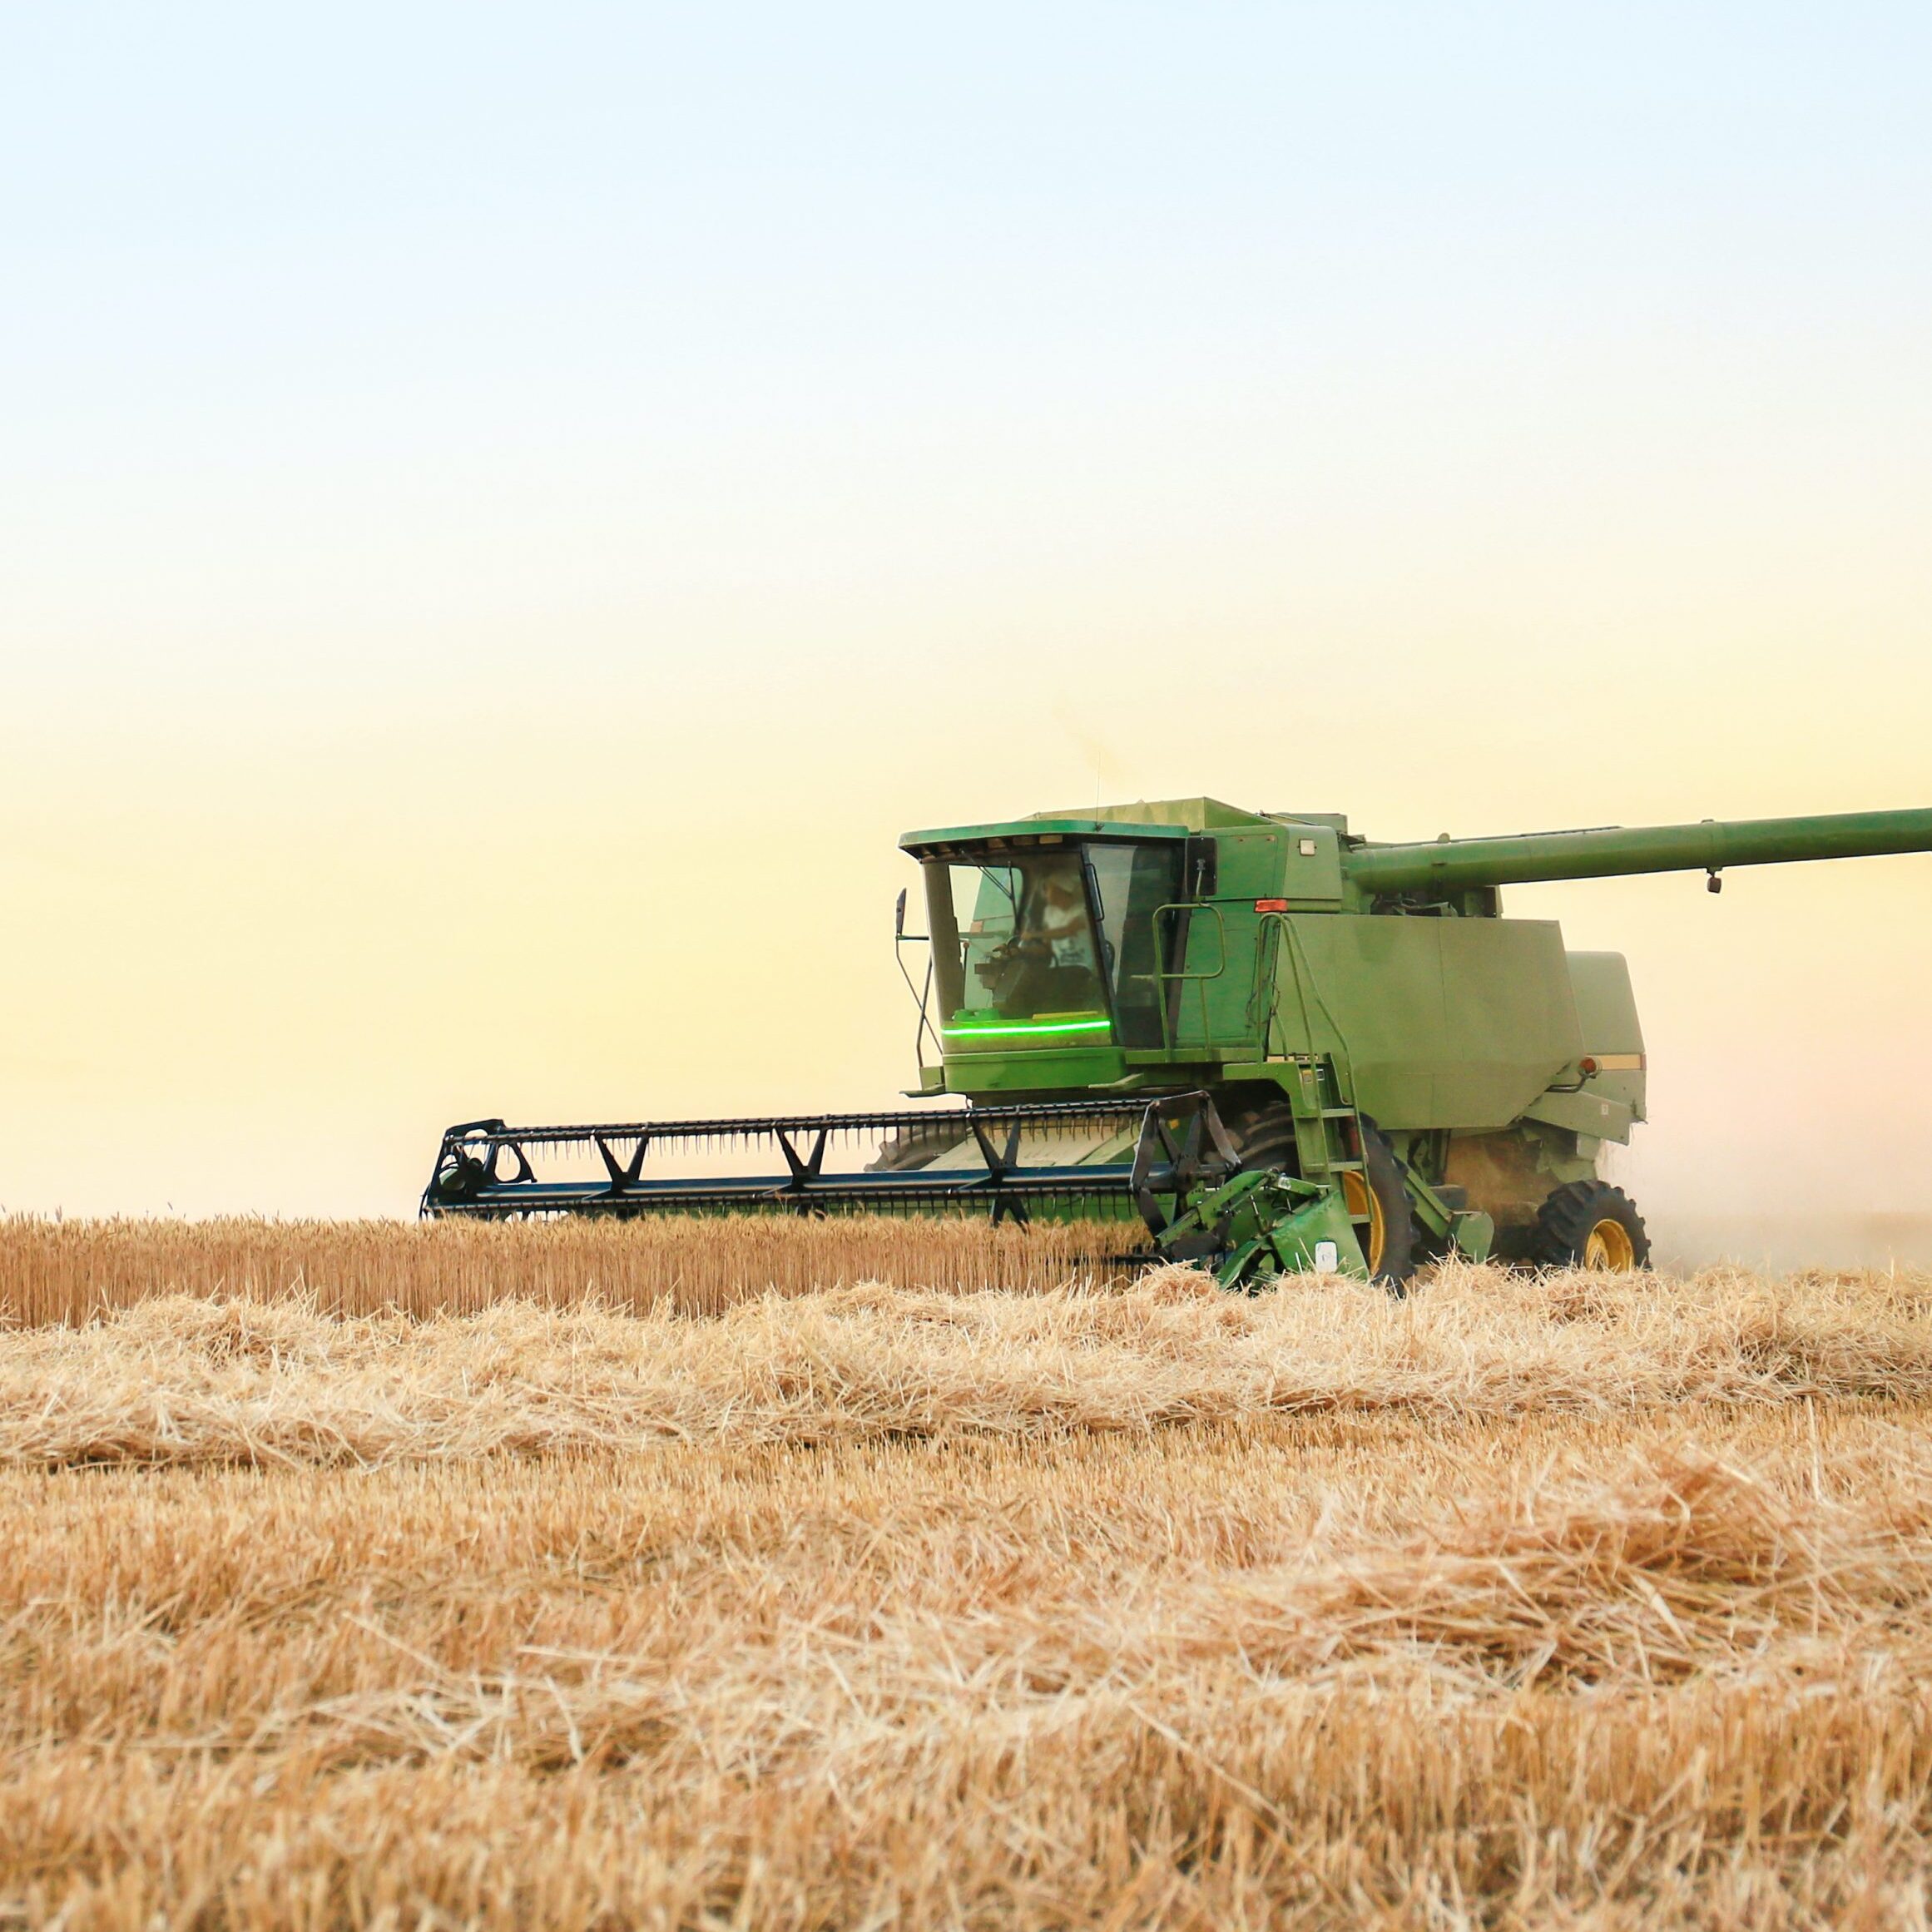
(1030,1029)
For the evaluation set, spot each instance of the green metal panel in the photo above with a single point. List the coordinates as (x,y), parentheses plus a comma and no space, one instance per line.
(1510,1016)
(1606,1008)
(1213,1002)
(1436,1022)
(985,1072)
(1311,874)
(1251,863)
(1584,1113)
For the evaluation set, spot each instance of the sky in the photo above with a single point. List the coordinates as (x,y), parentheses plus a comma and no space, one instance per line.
(506,513)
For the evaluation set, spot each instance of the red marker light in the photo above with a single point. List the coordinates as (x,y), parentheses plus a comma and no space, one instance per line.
(1589,1064)
(1271,905)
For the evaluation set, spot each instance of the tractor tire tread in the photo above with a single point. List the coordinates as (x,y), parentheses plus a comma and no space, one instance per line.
(1564,1221)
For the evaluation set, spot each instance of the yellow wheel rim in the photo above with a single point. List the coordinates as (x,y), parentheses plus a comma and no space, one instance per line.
(1361,1199)
(1609,1246)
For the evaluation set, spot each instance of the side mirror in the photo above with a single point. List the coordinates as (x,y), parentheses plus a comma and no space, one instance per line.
(899,916)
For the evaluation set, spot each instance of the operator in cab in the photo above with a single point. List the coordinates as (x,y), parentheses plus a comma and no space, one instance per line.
(1049,963)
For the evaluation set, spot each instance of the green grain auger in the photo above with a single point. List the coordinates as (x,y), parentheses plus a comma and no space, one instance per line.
(1271,1045)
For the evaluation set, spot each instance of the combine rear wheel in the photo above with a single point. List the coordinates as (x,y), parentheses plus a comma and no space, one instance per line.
(1587,1224)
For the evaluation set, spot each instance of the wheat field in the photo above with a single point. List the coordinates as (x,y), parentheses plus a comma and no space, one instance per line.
(368,1577)
(69,1271)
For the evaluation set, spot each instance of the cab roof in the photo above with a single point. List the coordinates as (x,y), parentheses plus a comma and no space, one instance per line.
(942,841)
(1171,818)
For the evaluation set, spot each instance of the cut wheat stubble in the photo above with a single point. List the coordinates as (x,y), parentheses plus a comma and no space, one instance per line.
(1570,1599)
(174,1379)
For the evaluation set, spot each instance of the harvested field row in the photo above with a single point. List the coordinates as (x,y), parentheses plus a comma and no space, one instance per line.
(1593,1600)
(251,1381)
(68,1271)
(1310,1671)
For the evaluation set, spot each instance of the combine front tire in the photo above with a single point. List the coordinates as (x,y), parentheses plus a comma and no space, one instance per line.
(1263,1136)
(1587,1224)
(1266,1138)
(1389,1240)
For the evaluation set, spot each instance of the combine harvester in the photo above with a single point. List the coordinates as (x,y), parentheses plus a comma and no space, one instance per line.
(1275,1045)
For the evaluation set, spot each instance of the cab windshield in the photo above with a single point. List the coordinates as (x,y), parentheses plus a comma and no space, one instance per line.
(1053,945)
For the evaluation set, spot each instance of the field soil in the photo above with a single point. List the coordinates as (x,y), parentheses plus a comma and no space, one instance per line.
(350,1580)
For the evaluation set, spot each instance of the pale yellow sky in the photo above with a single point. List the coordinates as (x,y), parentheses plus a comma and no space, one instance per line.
(498,540)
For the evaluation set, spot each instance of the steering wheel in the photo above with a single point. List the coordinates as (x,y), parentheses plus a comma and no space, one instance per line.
(1029,946)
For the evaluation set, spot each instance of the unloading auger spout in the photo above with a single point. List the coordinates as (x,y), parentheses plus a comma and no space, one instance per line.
(1611,851)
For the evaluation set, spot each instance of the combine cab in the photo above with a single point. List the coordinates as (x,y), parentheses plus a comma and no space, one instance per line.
(1262,1043)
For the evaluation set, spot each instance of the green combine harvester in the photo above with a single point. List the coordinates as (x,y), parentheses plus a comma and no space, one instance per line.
(1269,1043)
